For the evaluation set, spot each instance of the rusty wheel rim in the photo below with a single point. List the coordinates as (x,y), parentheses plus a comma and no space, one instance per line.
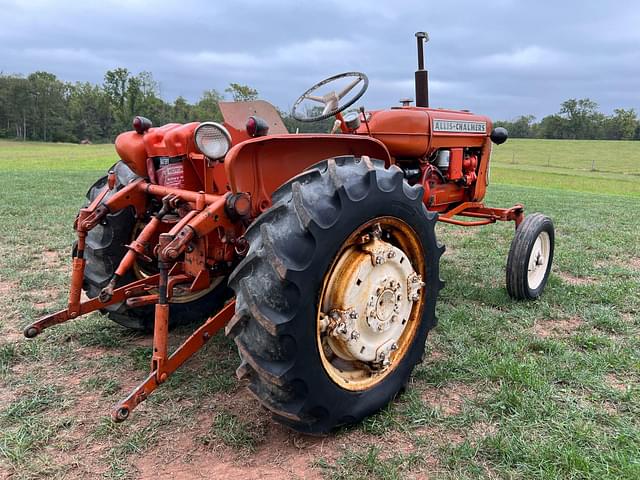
(371,304)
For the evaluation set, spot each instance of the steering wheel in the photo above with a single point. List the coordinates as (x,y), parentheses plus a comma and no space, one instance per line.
(331,100)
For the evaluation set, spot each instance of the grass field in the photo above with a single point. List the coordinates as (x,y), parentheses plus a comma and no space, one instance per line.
(540,390)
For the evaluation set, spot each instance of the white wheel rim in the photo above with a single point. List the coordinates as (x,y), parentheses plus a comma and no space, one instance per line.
(538,260)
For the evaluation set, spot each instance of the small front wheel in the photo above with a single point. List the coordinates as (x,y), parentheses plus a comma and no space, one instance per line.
(530,257)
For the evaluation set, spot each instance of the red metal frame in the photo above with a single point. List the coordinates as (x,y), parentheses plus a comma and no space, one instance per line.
(478,210)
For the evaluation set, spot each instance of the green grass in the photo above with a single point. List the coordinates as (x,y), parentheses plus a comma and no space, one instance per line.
(523,390)
(594,166)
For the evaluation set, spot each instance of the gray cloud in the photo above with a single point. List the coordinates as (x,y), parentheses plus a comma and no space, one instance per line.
(502,58)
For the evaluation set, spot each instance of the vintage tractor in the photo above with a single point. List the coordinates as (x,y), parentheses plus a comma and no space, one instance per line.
(327,241)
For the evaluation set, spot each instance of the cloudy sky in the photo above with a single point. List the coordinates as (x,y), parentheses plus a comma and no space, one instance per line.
(502,58)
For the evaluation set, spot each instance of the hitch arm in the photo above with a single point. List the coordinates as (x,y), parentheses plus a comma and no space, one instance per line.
(185,351)
(119,295)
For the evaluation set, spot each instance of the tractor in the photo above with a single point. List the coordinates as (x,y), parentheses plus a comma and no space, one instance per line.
(316,253)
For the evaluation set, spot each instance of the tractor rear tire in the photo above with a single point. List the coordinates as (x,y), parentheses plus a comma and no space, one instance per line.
(530,257)
(105,248)
(295,248)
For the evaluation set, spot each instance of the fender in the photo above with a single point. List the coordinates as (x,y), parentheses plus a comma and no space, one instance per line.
(261,165)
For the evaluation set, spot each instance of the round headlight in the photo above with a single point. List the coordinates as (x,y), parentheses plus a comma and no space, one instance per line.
(212,139)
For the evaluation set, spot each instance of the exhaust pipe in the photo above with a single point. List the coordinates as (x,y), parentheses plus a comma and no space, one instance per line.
(422,75)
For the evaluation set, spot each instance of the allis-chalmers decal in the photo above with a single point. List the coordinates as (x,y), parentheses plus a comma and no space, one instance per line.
(459,126)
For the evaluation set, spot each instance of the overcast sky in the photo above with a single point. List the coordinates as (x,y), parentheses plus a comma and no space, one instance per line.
(502,58)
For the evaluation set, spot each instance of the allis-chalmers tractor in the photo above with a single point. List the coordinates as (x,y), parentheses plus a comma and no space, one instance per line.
(327,241)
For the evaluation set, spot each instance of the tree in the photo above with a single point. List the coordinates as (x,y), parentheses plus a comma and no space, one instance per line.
(207,108)
(48,107)
(89,113)
(241,93)
(622,125)
(181,110)
(521,127)
(583,118)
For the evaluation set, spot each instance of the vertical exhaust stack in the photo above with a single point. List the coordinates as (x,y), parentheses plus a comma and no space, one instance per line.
(422,75)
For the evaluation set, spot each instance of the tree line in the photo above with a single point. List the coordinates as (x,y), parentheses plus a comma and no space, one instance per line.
(42,107)
(577,119)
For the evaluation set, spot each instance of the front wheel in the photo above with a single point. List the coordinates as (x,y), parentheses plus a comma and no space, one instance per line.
(530,257)
(337,294)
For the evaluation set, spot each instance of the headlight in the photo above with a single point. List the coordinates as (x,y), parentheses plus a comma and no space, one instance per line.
(212,139)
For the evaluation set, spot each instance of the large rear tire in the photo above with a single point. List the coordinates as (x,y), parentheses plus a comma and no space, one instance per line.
(105,248)
(310,364)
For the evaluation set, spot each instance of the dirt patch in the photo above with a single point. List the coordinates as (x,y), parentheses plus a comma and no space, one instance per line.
(282,454)
(576,281)
(50,259)
(48,297)
(557,328)
(615,382)
(634,262)
(7,287)
(481,430)
(450,398)
(434,356)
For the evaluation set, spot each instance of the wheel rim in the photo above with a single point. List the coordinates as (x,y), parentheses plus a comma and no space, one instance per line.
(371,303)
(538,260)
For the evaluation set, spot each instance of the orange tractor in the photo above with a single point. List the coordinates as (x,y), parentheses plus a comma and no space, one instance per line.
(326,241)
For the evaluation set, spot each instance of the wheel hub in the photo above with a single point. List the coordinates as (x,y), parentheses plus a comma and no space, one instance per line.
(538,260)
(371,293)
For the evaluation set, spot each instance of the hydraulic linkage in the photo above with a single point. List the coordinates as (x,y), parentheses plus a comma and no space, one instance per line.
(205,214)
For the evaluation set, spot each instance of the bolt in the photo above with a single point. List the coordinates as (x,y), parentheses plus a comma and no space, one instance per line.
(355,335)
(394,346)
(379,327)
(353,315)
(414,279)
(391,254)
(379,259)
(324,323)
(415,297)
(394,318)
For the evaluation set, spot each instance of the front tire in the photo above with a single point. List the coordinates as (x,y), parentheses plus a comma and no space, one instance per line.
(530,257)
(345,224)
